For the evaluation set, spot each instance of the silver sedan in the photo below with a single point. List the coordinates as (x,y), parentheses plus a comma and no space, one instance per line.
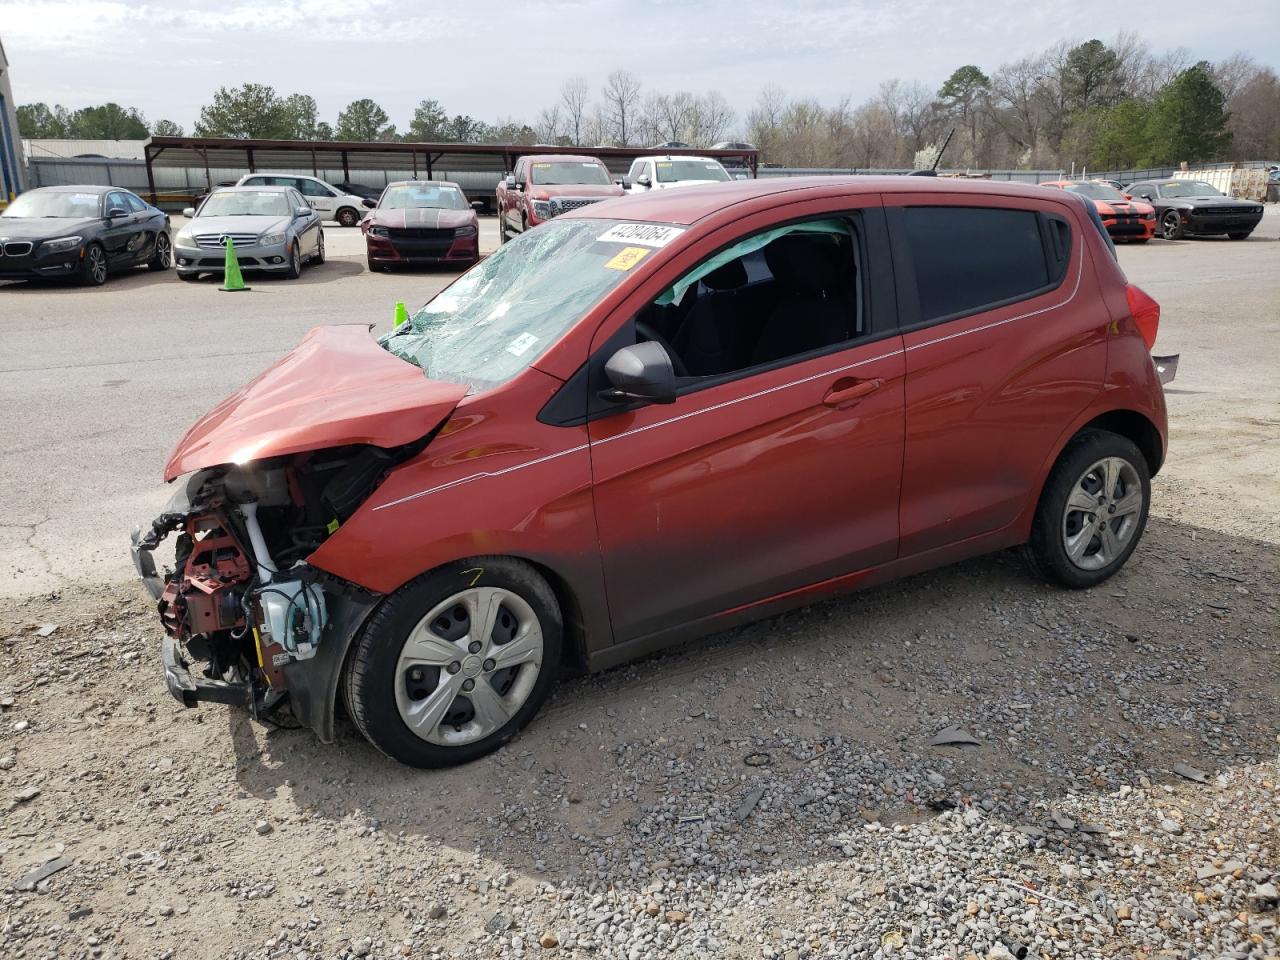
(272,229)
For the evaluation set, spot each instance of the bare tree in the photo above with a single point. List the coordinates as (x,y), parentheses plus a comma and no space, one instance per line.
(669,116)
(575,97)
(621,95)
(549,126)
(713,118)
(1234,73)
(764,122)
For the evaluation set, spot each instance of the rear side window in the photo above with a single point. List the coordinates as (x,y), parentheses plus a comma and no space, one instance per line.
(969,259)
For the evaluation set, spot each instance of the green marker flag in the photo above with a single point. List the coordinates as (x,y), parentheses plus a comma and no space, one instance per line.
(402,313)
(232,282)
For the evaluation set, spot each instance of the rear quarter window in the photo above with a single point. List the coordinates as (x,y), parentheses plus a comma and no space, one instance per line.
(967,259)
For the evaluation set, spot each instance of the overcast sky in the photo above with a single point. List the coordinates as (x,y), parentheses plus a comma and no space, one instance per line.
(496,60)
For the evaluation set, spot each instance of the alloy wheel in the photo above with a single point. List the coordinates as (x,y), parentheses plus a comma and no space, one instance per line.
(1171,226)
(1102,513)
(164,252)
(97,265)
(468,666)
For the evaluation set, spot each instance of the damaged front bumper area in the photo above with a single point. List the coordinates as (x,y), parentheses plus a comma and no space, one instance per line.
(248,622)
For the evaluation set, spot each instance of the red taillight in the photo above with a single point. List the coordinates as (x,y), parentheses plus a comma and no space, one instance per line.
(1146,313)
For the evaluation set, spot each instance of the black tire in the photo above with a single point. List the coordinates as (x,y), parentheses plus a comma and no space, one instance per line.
(1046,551)
(189,277)
(162,255)
(93,266)
(1140,240)
(502,228)
(347,217)
(370,675)
(1171,225)
(295,261)
(1239,235)
(375,267)
(318,258)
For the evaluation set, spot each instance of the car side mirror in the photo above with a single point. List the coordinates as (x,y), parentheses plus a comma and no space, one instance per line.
(302,211)
(188,212)
(477,206)
(641,372)
(625,183)
(644,180)
(368,203)
(116,212)
(510,182)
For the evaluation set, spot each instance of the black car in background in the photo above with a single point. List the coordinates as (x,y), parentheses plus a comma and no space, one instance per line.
(358,190)
(81,232)
(1195,208)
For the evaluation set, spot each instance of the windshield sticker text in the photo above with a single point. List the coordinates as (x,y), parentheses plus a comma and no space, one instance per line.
(521,344)
(626,258)
(649,234)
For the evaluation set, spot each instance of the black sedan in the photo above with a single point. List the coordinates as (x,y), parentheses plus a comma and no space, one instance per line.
(81,232)
(1195,208)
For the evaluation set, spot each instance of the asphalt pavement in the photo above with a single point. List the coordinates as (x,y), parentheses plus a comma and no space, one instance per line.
(97,385)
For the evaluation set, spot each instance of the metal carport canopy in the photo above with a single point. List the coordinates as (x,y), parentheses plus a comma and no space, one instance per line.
(417,158)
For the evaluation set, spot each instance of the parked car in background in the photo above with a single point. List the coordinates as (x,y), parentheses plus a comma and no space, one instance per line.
(328,201)
(422,222)
(1124,218)
(1195,208)
(81,232)
(654,419)
(358,190)
(672,145)
(664,173)
(543,186)
(273,229)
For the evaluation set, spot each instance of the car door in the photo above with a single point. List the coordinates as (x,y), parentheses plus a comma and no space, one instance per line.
(120,232)
(318,196)
(306,227)
(774,477)
(147,222)
(1005,345)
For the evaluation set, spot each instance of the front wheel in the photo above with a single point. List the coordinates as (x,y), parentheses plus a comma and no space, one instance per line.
(162,255)
(295,261)
(347,217)
(1171,225)
(93,266)
(1239,235)
(452,665)
(318,257)
(1092,512)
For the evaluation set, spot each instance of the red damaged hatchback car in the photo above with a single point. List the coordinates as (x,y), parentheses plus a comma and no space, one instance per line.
(650,419)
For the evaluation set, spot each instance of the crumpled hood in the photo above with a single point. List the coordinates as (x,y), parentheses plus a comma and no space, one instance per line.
(337,387)
(42,228)
(430,217)
(241,224)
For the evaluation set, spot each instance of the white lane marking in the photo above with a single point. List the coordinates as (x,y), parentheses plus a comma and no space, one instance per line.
(728,403)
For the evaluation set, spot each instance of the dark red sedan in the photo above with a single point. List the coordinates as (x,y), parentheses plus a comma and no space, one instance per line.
(649,419)
(422,222)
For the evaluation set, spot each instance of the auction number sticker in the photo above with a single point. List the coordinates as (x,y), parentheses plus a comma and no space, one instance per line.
(627,257)
(648,234)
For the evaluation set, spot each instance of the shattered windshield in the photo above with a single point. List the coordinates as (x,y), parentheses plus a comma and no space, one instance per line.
(505,312)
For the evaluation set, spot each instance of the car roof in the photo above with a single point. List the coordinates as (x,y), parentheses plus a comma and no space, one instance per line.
(424,183)
(561,158)
(678,156)
(691,204)
(1187,179)
(252,188)
(83,188)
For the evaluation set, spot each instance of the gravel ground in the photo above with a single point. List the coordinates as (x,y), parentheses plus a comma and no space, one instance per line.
(780,792)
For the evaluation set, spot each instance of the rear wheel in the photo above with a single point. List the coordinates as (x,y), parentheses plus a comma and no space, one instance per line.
(1092,512)
(453,664)
(93,266)
(347,217)
(1171,225)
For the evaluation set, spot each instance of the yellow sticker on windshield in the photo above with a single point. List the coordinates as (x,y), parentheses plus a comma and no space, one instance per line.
(626,258)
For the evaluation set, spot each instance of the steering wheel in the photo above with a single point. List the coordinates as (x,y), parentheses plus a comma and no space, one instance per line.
(647,331)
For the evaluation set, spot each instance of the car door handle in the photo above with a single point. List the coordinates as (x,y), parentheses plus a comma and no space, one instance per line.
(846,391)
